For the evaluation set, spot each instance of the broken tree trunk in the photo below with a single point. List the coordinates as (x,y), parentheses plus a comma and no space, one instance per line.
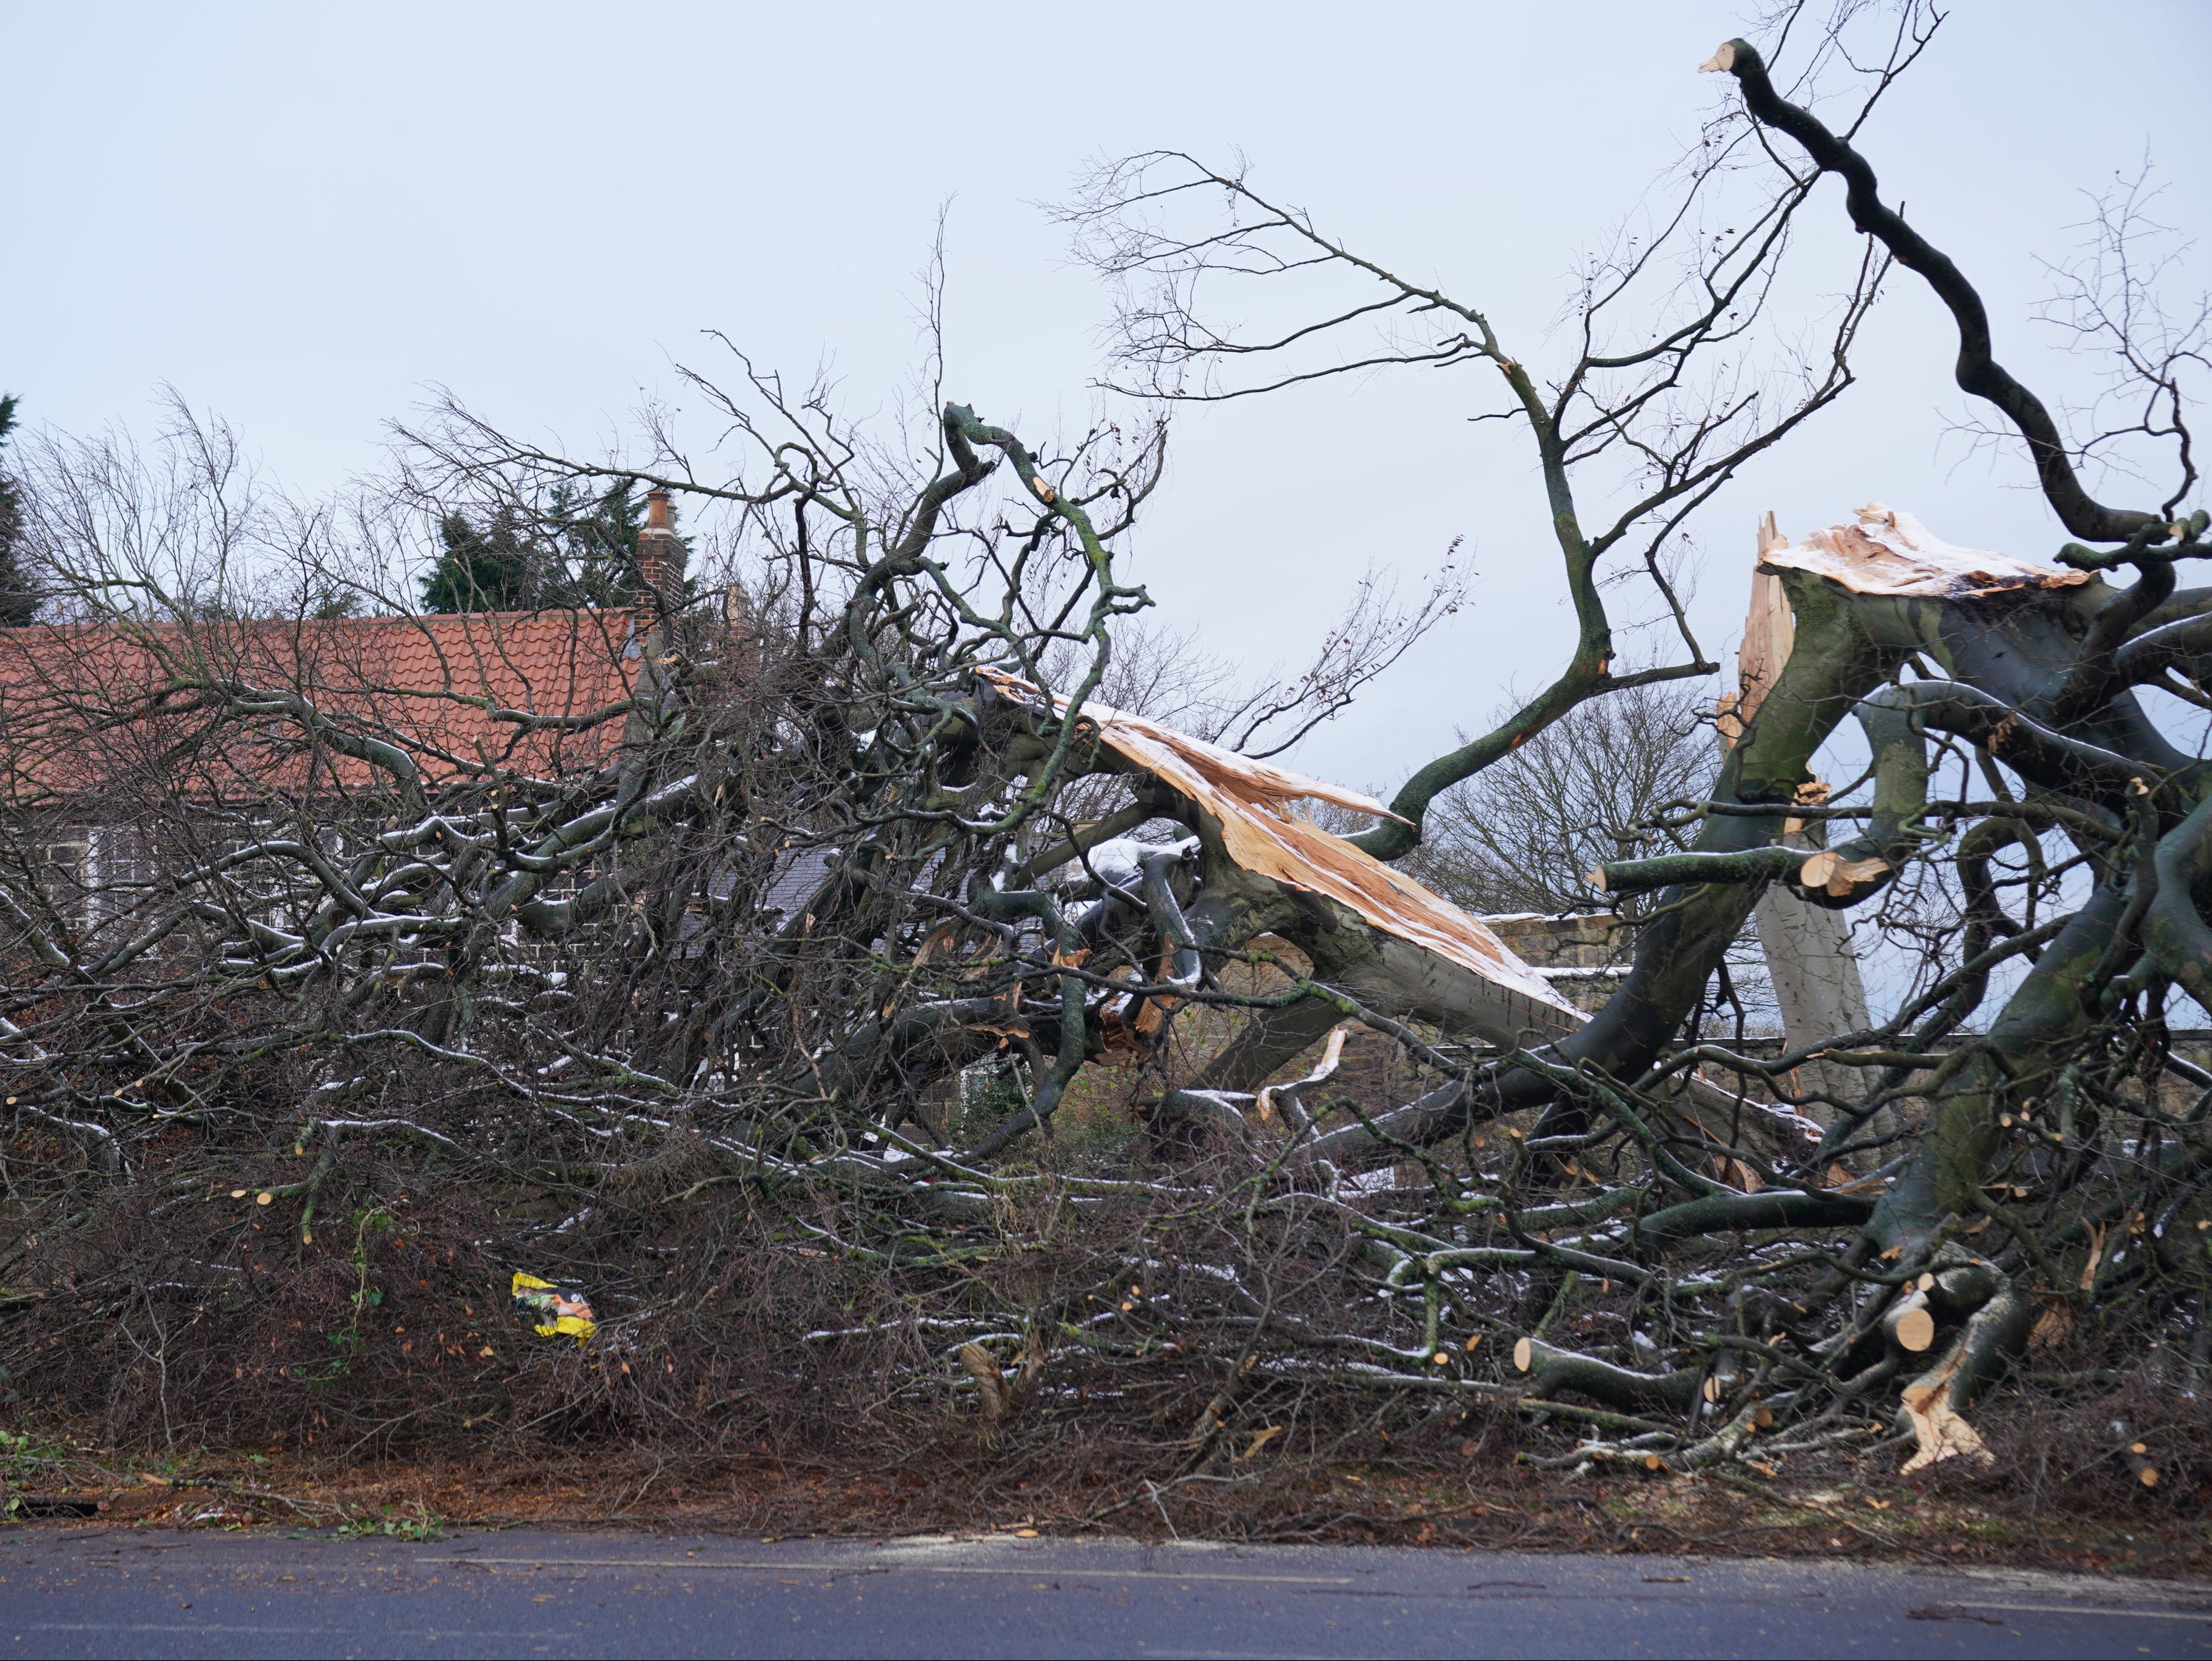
(1809,951)
(1370,932)
(1817,987)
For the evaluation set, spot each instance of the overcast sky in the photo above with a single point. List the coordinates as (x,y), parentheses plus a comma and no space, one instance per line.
(302,217)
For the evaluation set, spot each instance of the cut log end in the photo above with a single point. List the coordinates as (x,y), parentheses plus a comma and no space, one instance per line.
(1916,1329)
(1524,1355)
(1828,872)
(1720,62)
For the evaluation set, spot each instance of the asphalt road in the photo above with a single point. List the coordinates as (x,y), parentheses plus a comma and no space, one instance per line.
(92,1592)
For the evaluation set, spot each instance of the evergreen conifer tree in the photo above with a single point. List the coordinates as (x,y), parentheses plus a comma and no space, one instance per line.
(493,569)
(598,542)
(19,601)
(579,550)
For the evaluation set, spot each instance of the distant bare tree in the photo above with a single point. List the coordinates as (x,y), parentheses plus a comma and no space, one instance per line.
(1525,834)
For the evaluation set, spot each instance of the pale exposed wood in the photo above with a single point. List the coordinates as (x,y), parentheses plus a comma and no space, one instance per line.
(1265,1106)
(1942,1431)
(1852,872)
(1524,1355)
(2136,1457)
(1252,801)
(2052,1327)
(1916,1329)
(1838,875)
(1003,1397)
(977,1361)
(1890,552)
(1770,630)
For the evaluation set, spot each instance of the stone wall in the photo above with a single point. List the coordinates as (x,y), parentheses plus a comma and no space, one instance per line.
(1582,955)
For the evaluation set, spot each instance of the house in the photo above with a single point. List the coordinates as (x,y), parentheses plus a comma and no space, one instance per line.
(119,735)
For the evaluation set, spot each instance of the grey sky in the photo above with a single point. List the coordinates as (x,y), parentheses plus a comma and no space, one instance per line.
(301,215)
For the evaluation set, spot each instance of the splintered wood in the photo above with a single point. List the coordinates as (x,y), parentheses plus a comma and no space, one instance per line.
(1890,552)
(1887,551)
(1937,1426)
(1770,630)
(1252,801)
(1326,1070)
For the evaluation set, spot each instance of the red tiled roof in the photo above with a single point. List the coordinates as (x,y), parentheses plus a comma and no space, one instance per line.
(84,706)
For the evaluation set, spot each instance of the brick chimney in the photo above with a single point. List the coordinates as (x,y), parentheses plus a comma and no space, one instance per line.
(659,552)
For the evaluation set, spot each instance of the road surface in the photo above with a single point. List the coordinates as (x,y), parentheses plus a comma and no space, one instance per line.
(92,1592)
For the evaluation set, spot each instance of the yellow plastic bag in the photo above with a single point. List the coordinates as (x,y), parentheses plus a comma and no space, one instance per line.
(557,1310)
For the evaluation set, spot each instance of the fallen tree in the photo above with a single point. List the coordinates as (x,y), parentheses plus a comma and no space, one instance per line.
(739,955)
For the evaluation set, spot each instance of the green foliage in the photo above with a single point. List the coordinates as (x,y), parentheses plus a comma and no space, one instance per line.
(346,1344)
(333,602)
(18,602)
(25,1461)
(491,569)
(576,550)
(421,1524)
(598,544)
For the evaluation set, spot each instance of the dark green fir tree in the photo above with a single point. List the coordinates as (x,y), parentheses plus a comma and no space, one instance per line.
(599,547)
(579,550)
(495,569)
(19,601)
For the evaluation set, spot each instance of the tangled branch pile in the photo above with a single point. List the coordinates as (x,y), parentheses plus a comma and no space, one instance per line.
(869,1016)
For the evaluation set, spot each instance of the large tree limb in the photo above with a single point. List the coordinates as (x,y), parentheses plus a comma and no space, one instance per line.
(1978,370)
